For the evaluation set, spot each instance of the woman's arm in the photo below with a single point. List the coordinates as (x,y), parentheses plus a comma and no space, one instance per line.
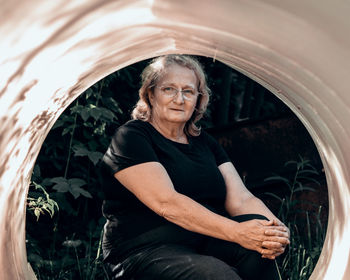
(150,183)
(239,200)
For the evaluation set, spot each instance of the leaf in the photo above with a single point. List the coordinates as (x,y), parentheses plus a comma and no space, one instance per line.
(308,171)
(46,182)
(85,114)
(111,104)
(85,193)
(75,188)
(37,213)
(80,151)
(100,129)
(304,189)
(76,182)
(61,187)
(88,93)
(66,130)
(77,191)
(58,180)
(96,113)
(77,109)
(38,187)
(277,178)
(87,124)
(108,114)
(291,162)
(95,157)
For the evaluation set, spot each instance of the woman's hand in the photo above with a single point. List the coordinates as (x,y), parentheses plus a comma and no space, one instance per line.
(269,238)
(279,248)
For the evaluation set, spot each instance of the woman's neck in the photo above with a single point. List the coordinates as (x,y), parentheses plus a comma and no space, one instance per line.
(172,131)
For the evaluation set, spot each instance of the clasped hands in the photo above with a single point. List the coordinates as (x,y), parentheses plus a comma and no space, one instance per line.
(269,238)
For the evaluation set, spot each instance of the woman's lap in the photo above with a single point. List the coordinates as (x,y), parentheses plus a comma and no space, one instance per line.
(172,261)
(213,259)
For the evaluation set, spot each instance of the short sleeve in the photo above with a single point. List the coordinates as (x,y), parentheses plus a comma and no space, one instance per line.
(217,150)
(130,145)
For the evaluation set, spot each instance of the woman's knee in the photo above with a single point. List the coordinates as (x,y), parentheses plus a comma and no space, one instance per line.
(253,266)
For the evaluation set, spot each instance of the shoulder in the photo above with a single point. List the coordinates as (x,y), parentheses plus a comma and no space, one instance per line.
(207,138)
(133,128)
(134,125)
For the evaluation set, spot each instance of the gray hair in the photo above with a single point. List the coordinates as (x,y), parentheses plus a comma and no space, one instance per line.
(150,77)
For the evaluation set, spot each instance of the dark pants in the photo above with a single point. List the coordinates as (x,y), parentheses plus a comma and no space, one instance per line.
(210,258)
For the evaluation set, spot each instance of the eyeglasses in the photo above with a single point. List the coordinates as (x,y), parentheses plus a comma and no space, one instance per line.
(187,94)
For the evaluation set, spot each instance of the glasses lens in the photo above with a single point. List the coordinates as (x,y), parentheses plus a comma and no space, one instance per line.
(189,94)
(169,91)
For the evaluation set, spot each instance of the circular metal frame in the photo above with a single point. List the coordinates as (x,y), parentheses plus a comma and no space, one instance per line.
(54,51)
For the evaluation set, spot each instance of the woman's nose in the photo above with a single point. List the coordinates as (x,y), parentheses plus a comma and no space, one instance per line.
(178,98)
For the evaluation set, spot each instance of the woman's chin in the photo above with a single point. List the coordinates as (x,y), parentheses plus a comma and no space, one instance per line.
(177,119)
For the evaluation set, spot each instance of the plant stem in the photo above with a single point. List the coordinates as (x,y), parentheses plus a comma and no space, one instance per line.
(99,92)
(78,262)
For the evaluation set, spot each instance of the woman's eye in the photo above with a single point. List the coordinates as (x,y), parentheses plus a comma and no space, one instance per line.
(168,89)
(188,91)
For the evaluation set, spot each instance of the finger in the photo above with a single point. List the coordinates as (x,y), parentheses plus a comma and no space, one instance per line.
(267,223)
(267,252)
(276,240)
(277,231)
(278,223)
(271,257)
(273,245)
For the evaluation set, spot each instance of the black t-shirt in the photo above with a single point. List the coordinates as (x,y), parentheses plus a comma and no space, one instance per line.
(192,168)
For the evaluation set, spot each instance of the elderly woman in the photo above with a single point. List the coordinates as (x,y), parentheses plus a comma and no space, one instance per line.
(176,208)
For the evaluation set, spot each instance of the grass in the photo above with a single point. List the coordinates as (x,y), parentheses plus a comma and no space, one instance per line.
(306,228)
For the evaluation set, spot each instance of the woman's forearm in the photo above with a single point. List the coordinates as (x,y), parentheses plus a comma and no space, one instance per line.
(252,205)
(192,216)
(187,213)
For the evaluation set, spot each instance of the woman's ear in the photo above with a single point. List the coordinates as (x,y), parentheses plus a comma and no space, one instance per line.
(150,96)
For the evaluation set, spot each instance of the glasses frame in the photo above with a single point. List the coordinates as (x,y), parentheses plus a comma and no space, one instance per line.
(176,91)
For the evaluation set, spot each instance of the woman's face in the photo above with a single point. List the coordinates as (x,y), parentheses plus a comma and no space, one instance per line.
(169,106)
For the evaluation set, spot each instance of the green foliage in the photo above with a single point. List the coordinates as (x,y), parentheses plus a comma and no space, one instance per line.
(303,175)
(39,204)
(72,185)
(67,169)
(75,258)
(307,236)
